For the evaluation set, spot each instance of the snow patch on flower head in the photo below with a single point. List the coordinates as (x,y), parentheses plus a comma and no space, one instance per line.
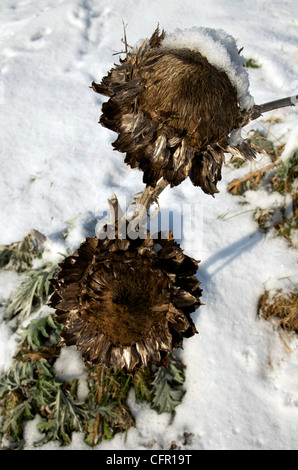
(235,137)
(220,50)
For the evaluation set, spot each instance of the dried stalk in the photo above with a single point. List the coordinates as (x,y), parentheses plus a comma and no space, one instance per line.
(143,202)
(150,195)
(257,174)
(258,110)
(115,209)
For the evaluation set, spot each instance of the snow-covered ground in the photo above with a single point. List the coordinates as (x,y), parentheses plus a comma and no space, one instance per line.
(57,164)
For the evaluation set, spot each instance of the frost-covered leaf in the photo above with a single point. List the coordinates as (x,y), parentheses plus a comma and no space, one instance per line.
(18,376)
(20,255)
(14,418)
(33,292)
(39,331)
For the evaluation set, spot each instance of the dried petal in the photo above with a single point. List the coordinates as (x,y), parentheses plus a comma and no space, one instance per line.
(127,306)
(173,112)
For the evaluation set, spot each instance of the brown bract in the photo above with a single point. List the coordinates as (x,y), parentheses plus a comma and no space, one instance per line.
(125,303)
(173,112)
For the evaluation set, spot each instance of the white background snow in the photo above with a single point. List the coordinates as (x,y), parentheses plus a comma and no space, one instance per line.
(57,164)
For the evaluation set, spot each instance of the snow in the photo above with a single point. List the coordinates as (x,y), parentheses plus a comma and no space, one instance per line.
(57,165)
(69,365)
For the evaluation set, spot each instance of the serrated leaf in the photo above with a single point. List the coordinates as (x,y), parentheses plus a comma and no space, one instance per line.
(166,398)
(166,386)
(175,370)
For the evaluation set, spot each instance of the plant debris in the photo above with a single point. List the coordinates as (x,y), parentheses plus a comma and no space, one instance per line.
(20,255)
(249,181)
(30,387)
(252,63)
(32,293)
(281,308)
(278,176)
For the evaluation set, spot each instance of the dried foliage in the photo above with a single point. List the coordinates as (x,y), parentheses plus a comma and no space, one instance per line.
(127,302)
(32,293)
(249,181)
(281,308)
(30,388)
(266,144)
(285,177)
(253,178)
(162,126)
(280,176)
(20,255)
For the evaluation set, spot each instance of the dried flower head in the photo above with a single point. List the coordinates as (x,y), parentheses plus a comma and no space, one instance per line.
(126,302)
(174,113)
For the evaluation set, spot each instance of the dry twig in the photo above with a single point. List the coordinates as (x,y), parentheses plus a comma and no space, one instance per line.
(253,176)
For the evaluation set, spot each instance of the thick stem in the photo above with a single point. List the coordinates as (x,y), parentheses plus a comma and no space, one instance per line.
(258,110)
(142,203)
(150,195)
(115,209)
